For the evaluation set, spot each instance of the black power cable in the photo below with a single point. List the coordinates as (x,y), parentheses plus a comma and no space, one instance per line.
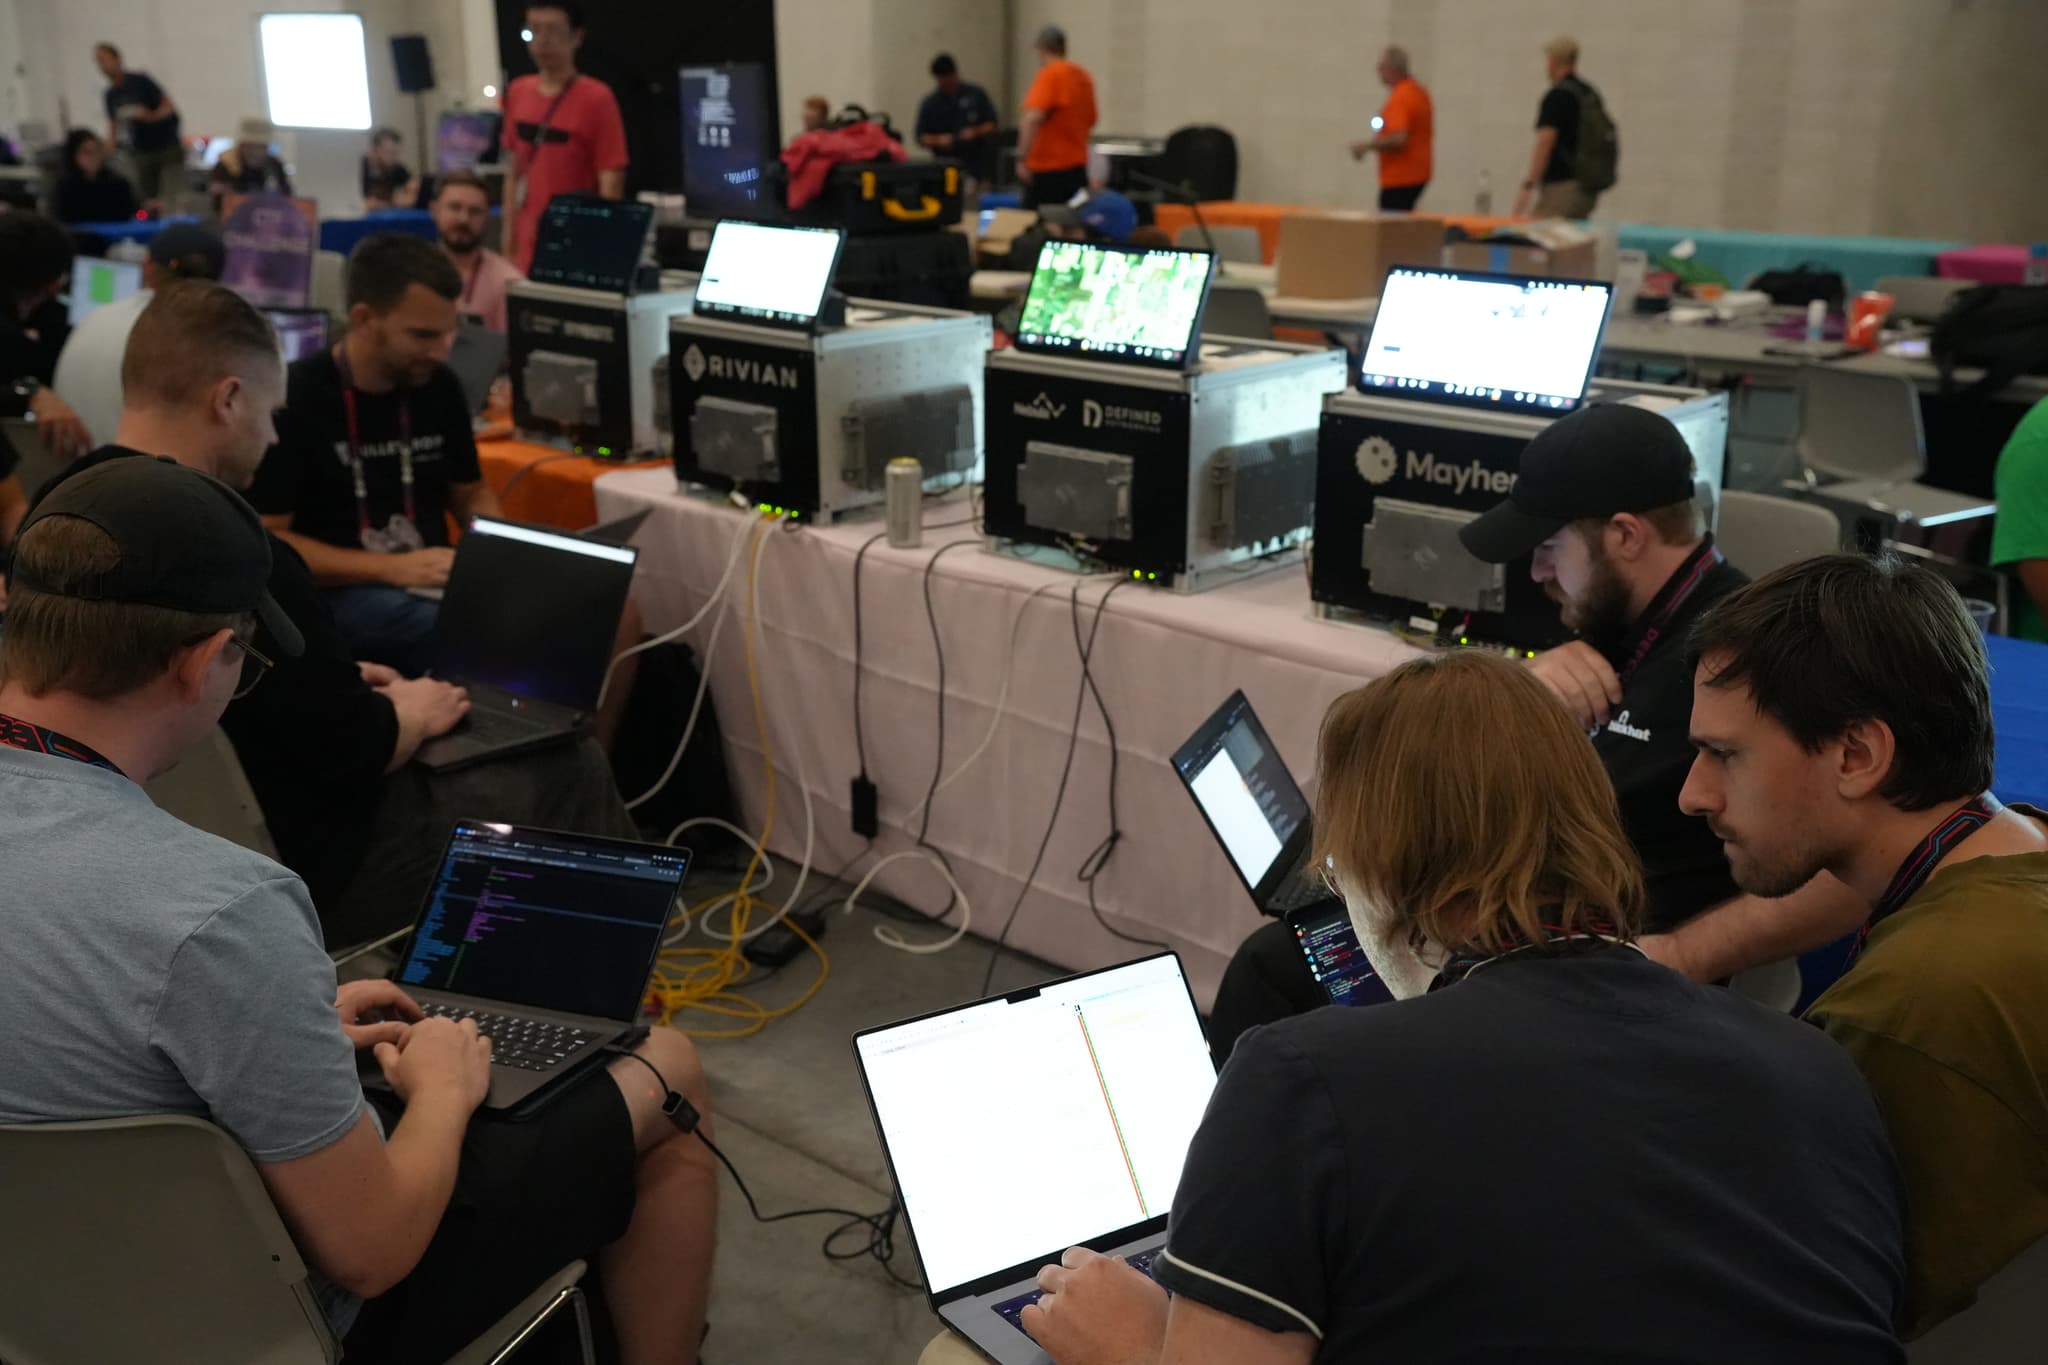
(1097,862)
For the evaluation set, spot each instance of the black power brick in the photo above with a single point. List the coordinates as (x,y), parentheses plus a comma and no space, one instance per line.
(866,818)
(780,945)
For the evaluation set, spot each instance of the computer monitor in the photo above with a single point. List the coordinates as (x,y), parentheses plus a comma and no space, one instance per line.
(1130,305)
(1513,343)
(301,331)
(589,242)
(95,283)
(729,134)
(777,276)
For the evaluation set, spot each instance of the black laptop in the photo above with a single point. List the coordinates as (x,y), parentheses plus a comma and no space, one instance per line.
(547,940)
(1252,805)
(527,624)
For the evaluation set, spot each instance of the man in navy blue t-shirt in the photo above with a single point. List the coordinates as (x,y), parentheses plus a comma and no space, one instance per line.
(958,120)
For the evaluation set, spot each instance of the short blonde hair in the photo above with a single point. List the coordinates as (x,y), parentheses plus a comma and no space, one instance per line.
(1459,794)
(1563,49)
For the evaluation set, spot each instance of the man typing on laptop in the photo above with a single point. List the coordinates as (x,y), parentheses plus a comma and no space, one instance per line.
(160,970)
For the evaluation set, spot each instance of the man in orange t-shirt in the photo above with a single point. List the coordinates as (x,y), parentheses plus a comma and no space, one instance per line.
(1059,113)
(1404,135)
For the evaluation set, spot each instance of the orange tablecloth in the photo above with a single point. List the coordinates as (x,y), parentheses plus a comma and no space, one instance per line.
(1171,218)
(556,493)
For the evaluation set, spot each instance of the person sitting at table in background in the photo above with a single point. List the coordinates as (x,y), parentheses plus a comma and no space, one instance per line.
(88,189)
(563,131)
(142,120)
(1059,115)
(1842,711)
(386,181)
(1434,1178)
(1404,135)
(35,262)
(958,120)
(167,971)
(327,741)
(2019,542)
(249,167)
(89,369)
(462,213)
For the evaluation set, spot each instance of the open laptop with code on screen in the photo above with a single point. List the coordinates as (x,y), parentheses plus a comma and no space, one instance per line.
(1021,1125)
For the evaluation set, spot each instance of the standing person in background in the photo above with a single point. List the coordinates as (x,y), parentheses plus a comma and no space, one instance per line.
(249,167)
(1059,113)
(462,210)
(1404,135)
(562,129)
(817,114)
(387,183)
(88,189)
(1576,148)
(2020,541)
(958,120)
(138,105)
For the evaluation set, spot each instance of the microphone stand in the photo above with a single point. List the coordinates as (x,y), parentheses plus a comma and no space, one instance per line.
(1179,193)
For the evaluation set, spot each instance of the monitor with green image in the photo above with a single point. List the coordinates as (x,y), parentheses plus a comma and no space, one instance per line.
(1126,305)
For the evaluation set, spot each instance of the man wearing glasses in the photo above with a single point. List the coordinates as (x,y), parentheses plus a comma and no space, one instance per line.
(327,741)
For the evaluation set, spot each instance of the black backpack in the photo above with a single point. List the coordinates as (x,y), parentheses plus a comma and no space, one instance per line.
(2001,328)
(1801,285)
(1597,161)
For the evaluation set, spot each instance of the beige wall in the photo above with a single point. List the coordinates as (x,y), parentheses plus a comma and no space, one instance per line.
(875,53)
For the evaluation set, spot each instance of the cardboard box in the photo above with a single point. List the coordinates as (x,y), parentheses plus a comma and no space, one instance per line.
(1571,263)
(1347,255)
(1005,226)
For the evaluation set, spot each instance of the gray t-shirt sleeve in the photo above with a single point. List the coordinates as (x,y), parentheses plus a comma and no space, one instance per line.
(247,1016)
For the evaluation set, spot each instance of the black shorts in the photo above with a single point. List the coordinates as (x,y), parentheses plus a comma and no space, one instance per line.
(1055,187)
(530,1197)
(1400,198)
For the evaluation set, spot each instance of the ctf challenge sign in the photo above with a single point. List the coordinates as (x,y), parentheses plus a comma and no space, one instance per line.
(270,240)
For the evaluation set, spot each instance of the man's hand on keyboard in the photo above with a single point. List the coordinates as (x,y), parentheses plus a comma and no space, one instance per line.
(440,1058)
(374,1012)
(427,705)
(1097,1310)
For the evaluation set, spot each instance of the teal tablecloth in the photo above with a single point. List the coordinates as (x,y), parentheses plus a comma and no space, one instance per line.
(1739,255)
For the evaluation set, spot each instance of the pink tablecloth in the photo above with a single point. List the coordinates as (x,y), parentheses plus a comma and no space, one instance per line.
(1992,263)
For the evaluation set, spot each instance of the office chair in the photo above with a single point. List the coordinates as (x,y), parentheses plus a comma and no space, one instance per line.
(1863,452)
(1237,311)
(1760,533)
(1237,245)
(154,1239)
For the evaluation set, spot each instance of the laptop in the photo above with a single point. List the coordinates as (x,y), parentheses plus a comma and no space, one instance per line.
(527,624)
(620,530)
(547,940)
(300,331)
(1330,944)
(1251,804)
(585,241)
(766,275)
(1467,338)
(1018,1126)
(95,283)
(1124,304)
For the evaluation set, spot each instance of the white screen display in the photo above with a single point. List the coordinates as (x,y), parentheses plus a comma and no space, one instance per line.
(1522,343)
(96,283)
(776,273)
(315,71)
(1227,800)
(1020,1129)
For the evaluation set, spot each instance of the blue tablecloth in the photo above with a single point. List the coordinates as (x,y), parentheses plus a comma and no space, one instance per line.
(127,229)
(1739,255)
(341,234)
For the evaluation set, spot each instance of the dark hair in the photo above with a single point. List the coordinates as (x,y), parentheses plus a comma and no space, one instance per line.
(383,267)
(73,140)
(378,135)
(943,65)
(34,254)
(108,48)
(463,180)
(1052,38)
(1842,639)
(571,11)
(193,334)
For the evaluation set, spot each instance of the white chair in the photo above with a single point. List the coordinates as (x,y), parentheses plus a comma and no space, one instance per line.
(208,790)
(154,1239)
(1864,450)
(330,283)
(1241,245)
(1237,311)
(1760,533)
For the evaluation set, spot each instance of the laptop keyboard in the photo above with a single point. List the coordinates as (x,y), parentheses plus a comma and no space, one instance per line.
(1012,1311)
(516,1041)
(1301,889)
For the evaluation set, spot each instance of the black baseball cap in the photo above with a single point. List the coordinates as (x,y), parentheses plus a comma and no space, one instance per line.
(194,250)
(1595,462)
(188,542)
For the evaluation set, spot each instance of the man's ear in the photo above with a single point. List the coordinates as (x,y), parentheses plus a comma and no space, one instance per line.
(220,401)
(1627,536)
(194,664)
(1863,757)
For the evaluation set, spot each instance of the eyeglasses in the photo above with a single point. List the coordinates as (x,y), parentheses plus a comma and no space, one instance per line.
(255,663)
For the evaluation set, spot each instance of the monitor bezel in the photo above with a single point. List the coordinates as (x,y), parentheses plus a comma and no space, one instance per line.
(730,312)
(1074,351)
(634,206)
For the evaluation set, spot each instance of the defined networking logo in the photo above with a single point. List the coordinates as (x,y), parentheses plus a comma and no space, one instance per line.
(1040,409)
(693,364)
(1096,415)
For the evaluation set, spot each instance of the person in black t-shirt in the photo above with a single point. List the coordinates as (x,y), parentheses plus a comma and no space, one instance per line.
(35,259)
(88,189)
(958,120)
(375,451)
(1563,1152)
(142,119)
(1551,187)
(386,181)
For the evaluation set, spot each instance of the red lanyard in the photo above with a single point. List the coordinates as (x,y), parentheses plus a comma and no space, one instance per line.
(1676,594)
(20,734)
(355,446)
(1926,856)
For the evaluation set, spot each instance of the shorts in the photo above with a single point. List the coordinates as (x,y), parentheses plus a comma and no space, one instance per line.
(530,1197)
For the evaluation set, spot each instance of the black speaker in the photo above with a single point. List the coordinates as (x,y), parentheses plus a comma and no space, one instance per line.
(412,62)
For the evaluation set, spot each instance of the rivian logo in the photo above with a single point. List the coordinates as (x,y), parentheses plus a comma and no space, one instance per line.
(693,364)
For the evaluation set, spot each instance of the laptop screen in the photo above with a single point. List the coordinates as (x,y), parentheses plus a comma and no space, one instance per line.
(96,283)
(300,331)
(1023,1125)
(1335,960)
(561,922)
(773,275)
(1243,788)
(1516,343)
(532,611)
(1134,305)
(590,243)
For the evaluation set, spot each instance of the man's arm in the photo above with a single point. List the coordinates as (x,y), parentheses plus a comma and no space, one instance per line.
(1197,1334)
(335,567)
(13,507)
(473,500)
(1027,133)
(1539,159)
(1750,931)
(612,184)
(164,109)
(2034,578)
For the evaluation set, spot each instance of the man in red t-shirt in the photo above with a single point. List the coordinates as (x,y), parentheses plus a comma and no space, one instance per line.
(562,129)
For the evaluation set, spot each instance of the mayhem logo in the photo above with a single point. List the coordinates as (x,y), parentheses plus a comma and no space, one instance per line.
(1117,417)
(1040,409)
(1378,462)
(760,373)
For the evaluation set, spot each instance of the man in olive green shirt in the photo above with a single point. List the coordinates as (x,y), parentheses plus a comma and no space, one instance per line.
(1842,716)
(2020,540)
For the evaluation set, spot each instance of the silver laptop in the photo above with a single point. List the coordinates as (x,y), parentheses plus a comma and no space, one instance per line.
(547,940)
(1021,1125)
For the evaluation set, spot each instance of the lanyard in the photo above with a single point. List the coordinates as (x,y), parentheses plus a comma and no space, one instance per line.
(474,271)
(1926,856)
(1675,595)
(355,446)
(540,132)
(20,734)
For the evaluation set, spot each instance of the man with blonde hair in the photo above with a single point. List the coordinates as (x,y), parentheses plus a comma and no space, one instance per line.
(1447,1177)
(1576,150)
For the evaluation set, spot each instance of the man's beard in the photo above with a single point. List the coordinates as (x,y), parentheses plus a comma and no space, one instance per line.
(1600,611)
(462,240)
